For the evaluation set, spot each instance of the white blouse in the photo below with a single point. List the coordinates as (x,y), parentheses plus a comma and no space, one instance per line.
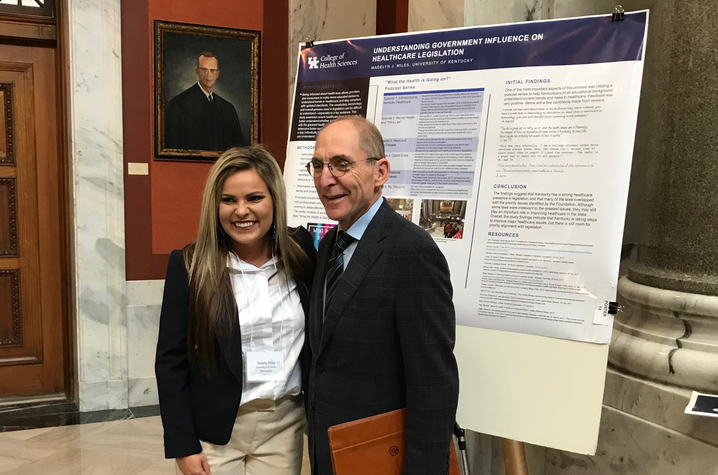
(271,318)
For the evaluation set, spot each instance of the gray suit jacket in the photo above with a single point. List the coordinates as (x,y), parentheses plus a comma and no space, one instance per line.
(387,342)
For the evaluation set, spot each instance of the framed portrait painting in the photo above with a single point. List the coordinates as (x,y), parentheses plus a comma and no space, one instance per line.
(206,90)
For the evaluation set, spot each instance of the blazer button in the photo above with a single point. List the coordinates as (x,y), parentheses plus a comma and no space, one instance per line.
(319,368)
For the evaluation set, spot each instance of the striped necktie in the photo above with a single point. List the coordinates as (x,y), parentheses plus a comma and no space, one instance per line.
(336,264)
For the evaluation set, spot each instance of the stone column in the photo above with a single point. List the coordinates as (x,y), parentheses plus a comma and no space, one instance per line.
(669,330)
(99,226)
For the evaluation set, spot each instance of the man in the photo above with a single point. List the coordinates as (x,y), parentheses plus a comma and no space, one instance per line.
(381,324)
(198,118)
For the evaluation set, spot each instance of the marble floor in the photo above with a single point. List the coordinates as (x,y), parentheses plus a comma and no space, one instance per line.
(124,447)
(54,412)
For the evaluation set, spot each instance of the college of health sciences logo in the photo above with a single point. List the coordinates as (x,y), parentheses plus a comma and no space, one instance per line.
(330,61)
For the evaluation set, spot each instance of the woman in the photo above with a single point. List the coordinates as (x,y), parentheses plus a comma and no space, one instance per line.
(231,337)
(454,229)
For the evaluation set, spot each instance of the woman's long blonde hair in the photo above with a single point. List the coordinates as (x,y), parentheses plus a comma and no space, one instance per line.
(212,307)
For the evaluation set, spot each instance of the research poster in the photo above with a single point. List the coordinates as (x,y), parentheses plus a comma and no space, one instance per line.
(510,145)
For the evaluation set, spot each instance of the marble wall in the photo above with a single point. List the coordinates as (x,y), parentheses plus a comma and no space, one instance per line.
(488,12)
(99,236)
(327,20)
(432,15)
(144,300)
(571,8)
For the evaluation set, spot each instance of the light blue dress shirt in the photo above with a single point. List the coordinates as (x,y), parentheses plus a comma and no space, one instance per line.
(357,230)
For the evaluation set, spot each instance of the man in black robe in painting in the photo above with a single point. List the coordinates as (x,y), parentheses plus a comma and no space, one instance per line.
(199,119)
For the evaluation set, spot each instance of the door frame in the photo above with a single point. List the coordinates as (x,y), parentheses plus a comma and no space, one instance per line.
(30,30)
(66,197)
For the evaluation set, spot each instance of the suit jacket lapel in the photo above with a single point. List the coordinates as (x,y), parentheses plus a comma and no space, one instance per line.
(366,253)
(231,347)
(303,295)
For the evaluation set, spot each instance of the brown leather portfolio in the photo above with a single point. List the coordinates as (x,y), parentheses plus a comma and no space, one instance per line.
(374,445)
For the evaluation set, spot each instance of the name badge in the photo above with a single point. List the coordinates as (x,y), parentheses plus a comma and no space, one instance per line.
(265,366)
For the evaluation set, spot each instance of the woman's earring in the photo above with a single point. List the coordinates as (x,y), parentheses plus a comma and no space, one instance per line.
(274,229)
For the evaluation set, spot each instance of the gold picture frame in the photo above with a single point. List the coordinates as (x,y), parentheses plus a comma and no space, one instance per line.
(206,90)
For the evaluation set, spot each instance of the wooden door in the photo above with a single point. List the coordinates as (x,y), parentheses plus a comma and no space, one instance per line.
(31,289)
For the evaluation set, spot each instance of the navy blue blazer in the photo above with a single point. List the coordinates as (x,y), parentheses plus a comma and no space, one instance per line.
(385,343)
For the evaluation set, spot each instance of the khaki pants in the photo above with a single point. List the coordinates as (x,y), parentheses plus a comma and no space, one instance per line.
(267,439)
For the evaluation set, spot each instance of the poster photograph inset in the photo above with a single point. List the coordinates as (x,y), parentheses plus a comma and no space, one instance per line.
(404,207)
(443,219)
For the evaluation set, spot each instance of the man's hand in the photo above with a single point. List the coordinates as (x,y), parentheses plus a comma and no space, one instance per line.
(194,464)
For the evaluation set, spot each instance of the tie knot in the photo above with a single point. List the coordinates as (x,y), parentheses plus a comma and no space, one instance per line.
(343,240)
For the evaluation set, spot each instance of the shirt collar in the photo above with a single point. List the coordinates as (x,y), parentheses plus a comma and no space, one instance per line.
(236,264)
(205,92)
(357,229)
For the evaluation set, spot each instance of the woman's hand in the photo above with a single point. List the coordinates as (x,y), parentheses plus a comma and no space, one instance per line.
(194,464)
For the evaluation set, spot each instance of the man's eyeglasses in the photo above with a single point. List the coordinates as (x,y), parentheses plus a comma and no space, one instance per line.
(337,166)
(206,71)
